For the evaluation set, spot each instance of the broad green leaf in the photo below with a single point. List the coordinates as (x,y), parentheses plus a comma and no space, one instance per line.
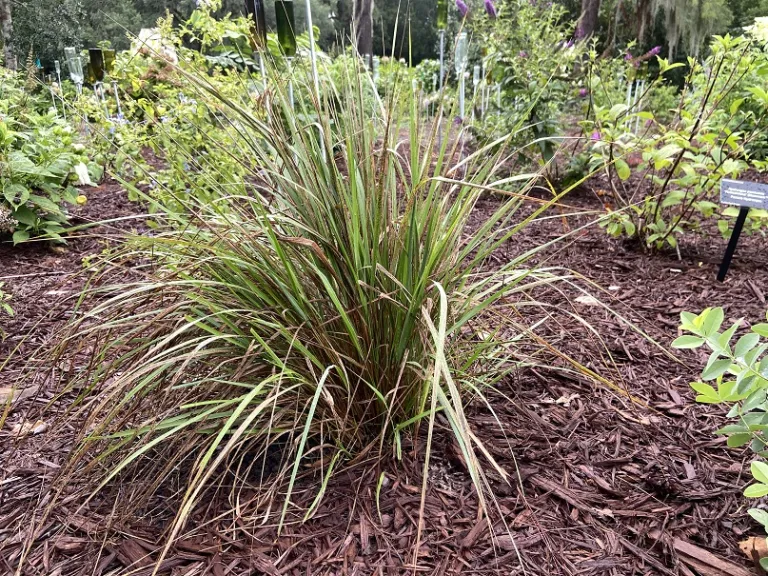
(684,342)
(761,329)
(716,369)
(623,169)
(756,491)
(759,471)
(760,516)
(20,236)
(745,344)
(739,440)
(707,394)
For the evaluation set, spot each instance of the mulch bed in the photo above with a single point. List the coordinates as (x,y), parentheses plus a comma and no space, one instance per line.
(601,484)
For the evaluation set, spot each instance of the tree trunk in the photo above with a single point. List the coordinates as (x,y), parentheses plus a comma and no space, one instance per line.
(588,19)
(363,22)
(6,29)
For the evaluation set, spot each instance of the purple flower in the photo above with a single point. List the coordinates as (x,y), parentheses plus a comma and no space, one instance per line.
(462,8)
(490,8)
(596,135)
(522,54)
(583,93)
(628,56)
(569,44)
(655,50)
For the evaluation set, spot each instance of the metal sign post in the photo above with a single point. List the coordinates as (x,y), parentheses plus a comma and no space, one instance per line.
(745,195)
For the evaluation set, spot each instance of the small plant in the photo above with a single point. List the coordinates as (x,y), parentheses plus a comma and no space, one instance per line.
(736,374)
(5,308)
(530,54)
(40,155)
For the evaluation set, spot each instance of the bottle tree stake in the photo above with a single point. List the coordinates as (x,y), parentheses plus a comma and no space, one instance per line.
(96,67)
(461,63)
(286,35)
(255,10)
(475,85)
(57,65)
(442,23)
(75,68)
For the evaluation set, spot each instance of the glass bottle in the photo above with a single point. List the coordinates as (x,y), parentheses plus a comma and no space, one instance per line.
(96,66)
(255,10)
(442,14)
(109,61)
(286,28)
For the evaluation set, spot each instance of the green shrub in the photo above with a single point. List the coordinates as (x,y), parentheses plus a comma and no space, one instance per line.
(680,163)
(39,154)
(529,52)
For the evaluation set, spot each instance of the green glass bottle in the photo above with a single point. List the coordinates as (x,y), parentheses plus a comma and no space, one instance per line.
(97,63)
(255,10)
(109,61)
(442,14)
(286,27)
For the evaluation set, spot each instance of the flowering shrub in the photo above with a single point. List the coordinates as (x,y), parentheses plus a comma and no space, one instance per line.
(529,51)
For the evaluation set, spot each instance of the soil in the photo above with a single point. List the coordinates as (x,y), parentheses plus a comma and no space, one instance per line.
(620,478)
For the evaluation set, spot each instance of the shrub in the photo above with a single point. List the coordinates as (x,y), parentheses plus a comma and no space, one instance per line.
(39,154)
(680,164)
(529,52)
(330,310)
(738,373)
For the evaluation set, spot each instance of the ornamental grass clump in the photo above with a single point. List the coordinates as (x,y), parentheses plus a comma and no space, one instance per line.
(327,314)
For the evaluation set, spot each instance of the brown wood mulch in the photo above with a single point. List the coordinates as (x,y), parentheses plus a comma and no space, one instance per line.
(601,485)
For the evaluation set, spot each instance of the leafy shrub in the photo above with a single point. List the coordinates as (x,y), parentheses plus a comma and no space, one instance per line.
(736,374)
(39,154)
(329,310)
(680,164)
(528,51)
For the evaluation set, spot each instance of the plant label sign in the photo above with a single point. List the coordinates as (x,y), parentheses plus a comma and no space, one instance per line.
(744,194)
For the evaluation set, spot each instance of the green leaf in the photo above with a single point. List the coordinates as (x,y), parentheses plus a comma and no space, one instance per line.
(760,516)
(707,394)
(623,169)
(745,344)
(759,471)
(761,329)
(20,236)
(739,440)
(756,491)
(687,341)
(716,369)
(712,321)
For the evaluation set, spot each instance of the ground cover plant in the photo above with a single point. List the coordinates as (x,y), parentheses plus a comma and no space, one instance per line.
(738,371)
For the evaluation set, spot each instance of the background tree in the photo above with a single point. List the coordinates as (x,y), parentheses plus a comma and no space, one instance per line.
(6,28)
(363,19)
(588,20)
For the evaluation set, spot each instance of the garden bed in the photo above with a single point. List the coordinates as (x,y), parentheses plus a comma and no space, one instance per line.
(601,483)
